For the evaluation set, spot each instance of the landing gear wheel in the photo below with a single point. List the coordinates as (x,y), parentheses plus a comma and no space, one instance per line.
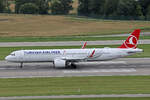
(74,66)
(21,65)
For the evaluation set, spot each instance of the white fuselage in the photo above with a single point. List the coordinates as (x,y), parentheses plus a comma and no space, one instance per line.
(67,57)
(72,55)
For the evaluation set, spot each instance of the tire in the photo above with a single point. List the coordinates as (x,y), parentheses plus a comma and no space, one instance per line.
(74,66)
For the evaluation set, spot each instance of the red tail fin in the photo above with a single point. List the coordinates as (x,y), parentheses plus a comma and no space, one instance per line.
(132,40)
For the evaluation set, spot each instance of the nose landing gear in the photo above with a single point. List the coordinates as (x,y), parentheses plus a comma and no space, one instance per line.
(21,65)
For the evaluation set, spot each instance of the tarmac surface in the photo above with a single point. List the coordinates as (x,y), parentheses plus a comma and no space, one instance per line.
(120,35)
(75,96)
(76,43)
(67,43)
(123,66)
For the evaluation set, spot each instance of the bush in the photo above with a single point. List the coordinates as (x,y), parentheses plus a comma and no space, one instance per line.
(29,8)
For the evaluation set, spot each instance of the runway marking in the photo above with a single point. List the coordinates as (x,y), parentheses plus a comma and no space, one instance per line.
(29,77)
(6,68)
(101,70)
(106,62)
(75,96)
(113,62)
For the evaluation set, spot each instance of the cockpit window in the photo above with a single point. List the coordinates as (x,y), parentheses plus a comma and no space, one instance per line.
(12,54)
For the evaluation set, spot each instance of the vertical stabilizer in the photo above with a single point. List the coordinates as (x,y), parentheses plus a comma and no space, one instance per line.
(132,40)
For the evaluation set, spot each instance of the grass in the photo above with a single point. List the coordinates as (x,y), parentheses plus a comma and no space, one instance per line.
(12,25)
(122,98)
(75,86)
(4,51)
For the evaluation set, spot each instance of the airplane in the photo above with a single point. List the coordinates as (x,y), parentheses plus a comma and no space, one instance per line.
(63,58)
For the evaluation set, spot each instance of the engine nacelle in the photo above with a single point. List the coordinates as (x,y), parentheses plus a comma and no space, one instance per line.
(59,63)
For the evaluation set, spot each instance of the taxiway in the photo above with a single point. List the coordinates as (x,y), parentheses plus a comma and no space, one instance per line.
(123,66)
(75,96)
(67,43)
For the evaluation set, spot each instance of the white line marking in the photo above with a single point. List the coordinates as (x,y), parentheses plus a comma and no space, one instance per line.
(113,62)
(74,96)
(6,68)
(101,70)
(105,62)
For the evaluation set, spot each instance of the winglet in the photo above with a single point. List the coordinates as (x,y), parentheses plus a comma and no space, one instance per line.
(92,54)
(84,45)
(132,40)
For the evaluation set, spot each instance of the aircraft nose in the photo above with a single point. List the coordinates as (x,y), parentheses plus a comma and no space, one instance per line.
(7,58)
(141,50)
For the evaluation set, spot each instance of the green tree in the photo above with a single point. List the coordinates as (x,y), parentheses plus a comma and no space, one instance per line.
(43,5)
(29,8)
(114,9)
(138,12)
(110,7)
(129,9)
(61,6)
(3,6)
(91,7)
(145,4)
(96,7)
(148,13)
(83,8)
(18,4)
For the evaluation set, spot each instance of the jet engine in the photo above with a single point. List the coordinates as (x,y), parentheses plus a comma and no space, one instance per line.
(59,63)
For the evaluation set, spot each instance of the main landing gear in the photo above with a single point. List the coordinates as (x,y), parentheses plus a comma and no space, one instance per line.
(74,66)
(71,65)
(21,65)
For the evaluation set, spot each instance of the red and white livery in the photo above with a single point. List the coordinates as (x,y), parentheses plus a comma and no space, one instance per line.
(132,40)
(68,57)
